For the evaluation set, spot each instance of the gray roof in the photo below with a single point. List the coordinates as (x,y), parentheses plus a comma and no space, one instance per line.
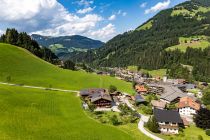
(171,93)
(88,92)
(139,98)
(98,96)
(187,86)
(167,116)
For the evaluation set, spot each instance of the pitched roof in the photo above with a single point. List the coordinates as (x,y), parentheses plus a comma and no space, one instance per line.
(167,116)
(139,98)
(171,93)
(98,96)
(188,102)
(140,88)
(88,92)
(158,104)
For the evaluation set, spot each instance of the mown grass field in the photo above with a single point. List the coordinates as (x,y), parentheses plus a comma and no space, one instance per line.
(25,68)
(154,73)
(187,42)
(31,114)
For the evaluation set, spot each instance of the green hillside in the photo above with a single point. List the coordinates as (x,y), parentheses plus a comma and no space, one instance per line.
(24,68)
(29,114)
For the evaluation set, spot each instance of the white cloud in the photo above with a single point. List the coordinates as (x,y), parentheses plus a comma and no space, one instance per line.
(106,32)
(112,17)
(1,32)
(119,12)
(85,10)
(159,6)
(124,14)
(143,5)
(47,17)
(86,3)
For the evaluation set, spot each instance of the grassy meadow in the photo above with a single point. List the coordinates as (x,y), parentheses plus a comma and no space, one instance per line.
(186,42)
(154,73)
(25,68)
(190,133)
(31,114)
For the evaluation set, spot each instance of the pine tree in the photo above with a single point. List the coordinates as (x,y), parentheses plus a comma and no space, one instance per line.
(153,125)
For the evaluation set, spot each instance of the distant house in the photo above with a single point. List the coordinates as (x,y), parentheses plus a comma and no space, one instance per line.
(141,89)
(89,92)
(101,100)
(158,104)
(174,81)
(139,99)
(186,87)
(188,106)
(171,94)
(169,121)
(205,84)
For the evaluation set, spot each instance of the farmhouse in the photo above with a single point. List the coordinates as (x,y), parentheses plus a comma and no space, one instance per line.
(169,121)
(187,106)
(171,94)
(186,87)
(141,89)
(101,100)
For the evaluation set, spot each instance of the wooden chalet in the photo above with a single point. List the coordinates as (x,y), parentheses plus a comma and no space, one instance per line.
(101,100)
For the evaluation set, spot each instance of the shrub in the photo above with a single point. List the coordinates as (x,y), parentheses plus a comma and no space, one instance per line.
(92,107)
(200,137)
(202,118)
(208,132)
(112,88)
(115,120)
(146,109)
(152,125)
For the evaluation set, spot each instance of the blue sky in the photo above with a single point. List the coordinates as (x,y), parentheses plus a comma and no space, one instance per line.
(97,19)
(134,11)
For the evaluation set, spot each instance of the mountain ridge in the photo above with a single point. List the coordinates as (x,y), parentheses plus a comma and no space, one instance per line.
(64,46)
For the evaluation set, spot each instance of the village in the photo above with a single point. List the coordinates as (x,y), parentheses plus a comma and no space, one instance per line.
(172,102)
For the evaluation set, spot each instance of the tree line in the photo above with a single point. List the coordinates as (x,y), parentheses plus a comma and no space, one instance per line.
(23,40)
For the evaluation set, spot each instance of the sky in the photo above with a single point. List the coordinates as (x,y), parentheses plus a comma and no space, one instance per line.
(97,19)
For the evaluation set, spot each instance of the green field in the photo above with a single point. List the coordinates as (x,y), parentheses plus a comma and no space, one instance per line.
(188,42)
(146,26)
(24,68)
(182,11)
(29,114)
(154,73)
(54,47)
(190,133)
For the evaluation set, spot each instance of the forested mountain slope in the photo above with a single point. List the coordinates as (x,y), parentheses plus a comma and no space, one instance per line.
(147,45)
(132,48)
(64,46)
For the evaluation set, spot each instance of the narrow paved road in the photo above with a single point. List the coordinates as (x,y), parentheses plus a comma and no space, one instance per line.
(143,120)
(42,88)
(142,129)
